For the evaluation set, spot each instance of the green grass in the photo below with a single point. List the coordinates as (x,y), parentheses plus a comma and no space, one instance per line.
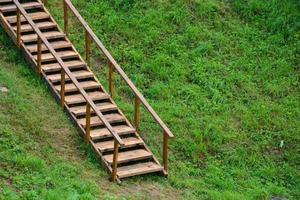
(223,74)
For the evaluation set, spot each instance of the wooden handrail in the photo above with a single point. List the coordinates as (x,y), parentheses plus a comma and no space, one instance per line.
(118,68)
(68,72)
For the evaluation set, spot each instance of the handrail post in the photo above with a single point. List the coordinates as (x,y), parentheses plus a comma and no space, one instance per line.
(136,112)
(65,18)
(62,88)
(165,151)
(87,47)
(111,79)
(88,123)
(39,54)
(18,28)
(115,161)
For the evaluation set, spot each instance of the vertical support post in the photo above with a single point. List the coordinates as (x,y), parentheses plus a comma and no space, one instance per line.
(18,28)
(39,55)
(115,161)
(165,151)
(62,88)
(65,17)
(87,47)
(136,112)
(111,79)
(88,123)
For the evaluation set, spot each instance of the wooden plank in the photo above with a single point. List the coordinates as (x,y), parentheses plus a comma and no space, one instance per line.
(95,121)
(127,156)
(48,35)
(34,16)
(62,54)
(26,6)
(81,74)
(55,44)
(78,98)
(109,145)
(40,25)
(55,67)
(70,87)
(100,133)
(103,107)
(138,169)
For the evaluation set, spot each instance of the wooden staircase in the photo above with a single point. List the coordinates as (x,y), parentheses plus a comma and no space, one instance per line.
(93,110)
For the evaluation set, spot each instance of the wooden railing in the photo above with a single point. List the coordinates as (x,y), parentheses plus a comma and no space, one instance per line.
(65,71)
(113,65)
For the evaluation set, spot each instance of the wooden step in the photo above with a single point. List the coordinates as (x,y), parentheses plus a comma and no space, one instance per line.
(62,54)
(101,133)
(55,44)
(103,107)
(26,6)
(48,35)
(78,98)
(81,74)
(70,87)
(138,169)
(109,145)
(40,25)
(55,67)
(95,120)
(5,1)
(127,156)
(34,16)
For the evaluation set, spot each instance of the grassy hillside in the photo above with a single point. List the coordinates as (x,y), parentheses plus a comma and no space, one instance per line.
(223,74)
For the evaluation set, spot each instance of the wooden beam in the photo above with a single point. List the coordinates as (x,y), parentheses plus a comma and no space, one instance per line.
(18,28)
(88,124)
(87,48)
(39,55)
(115,161)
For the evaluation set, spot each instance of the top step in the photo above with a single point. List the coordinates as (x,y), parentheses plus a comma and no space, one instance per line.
(29,5)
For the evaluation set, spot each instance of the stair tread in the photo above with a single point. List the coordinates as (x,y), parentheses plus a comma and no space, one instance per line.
(70,87)
(126,156)
(78,98)
(55,44)
(81,74)
(29,5)
(62,54)
(109,145)
(34,16)
(48,35)
(74,64)
(104,132)
(95,120)
(81,110)
(40,25)
(138,169)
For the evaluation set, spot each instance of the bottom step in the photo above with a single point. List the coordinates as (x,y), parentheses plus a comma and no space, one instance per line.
(138,169)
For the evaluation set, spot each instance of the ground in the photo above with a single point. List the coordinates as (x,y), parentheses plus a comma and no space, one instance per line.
(224,75)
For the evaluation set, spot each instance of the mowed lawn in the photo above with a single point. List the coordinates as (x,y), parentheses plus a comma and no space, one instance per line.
(224,75)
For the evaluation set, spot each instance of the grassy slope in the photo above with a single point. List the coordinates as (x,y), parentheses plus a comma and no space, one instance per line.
(225,75)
